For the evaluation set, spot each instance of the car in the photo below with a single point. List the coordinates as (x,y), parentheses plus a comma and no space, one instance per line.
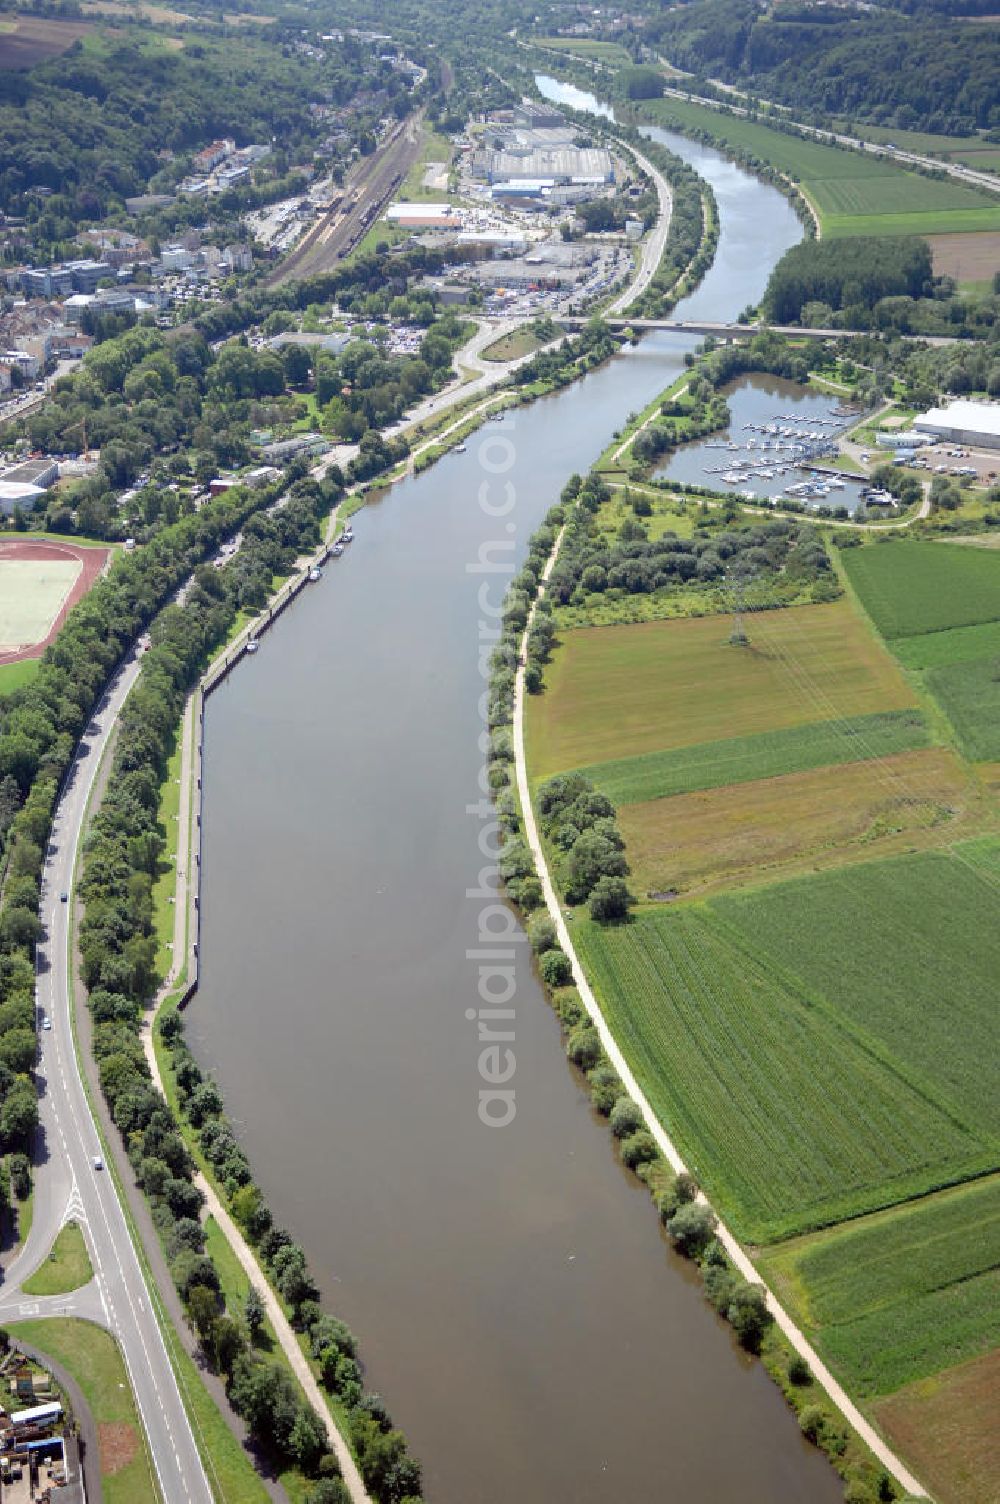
(64,897)
(98,1162)
(46,1023)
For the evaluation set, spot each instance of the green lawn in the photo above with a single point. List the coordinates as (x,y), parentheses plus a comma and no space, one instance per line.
(165,886)
(785,1112)
(17,675)
(740,759)
(66,1268)
(854,194)
(912,587)
(589,48)
(92,1356)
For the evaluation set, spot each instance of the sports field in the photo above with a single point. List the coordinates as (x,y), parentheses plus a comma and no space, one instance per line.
(614,692)
(913,587)
(695,843)
(31,595)
(853,193)
(784,1110)
(39,581)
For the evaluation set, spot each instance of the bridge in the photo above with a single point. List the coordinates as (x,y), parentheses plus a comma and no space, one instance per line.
(719,330)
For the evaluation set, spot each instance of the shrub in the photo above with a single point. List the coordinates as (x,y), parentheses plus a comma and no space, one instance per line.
(584,1046)
(556,968)
(798,1370)
(748,1315)
(542,933)
(812,1423)
(639,1149)
(625,1117)
(690,1229)
(610,899)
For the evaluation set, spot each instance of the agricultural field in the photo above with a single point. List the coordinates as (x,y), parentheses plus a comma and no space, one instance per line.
(950,645)
(908,950)
(896,1296)
(777,1100)
(853,193)
(27,40)
(741,759)
(969,694)
(967,258)
(947,1426)
(696,843)
(623,691)
(589,48)
(912,587)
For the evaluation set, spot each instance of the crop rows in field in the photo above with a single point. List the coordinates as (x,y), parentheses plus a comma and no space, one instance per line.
(787,1116)
(950,645)
(916,587)
(908,952)
(887,1348)
(742,759)
(881,1261)
(854,193)
(970,696)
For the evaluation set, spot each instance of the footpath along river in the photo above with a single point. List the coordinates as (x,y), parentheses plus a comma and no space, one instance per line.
(515,1301)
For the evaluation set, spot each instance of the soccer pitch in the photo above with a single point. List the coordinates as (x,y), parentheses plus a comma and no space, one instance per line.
(32,592)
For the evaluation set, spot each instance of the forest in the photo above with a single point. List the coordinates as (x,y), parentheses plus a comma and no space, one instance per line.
(96,125)
(931,72)
(849,274)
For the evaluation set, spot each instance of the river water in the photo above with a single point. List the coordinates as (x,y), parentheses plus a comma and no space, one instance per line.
(516,1303)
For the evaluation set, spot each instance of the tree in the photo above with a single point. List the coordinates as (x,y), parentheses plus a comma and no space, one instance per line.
(203,1309)
(556,968)
(254,1310)
(626,1117)
(690,1228)
(542,933)
(639,1149)
(610,899)
(748,1315)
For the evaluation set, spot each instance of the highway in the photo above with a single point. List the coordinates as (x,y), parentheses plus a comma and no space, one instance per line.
(67,1182)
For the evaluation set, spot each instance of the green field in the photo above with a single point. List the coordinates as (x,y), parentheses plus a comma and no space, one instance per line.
(93,1358)
(623,691)
(853,193)
(970,696)
(950,645)
(908,950)
(66,1268)
(914,587)
(785,1111)
(17,675)
(31,594)
(590,48)
(742,759)
(902,1294)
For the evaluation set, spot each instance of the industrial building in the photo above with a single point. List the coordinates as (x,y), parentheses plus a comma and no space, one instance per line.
(963,422)
(424,216)
(553,165)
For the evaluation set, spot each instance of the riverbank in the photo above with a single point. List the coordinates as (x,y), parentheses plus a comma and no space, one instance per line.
(738,1257)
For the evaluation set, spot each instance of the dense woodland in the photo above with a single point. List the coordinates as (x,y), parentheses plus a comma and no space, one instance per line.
(853,275)
(101,122)
(928,72)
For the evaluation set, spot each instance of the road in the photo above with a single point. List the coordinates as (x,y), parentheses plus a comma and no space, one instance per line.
(67,1184)
(652,246)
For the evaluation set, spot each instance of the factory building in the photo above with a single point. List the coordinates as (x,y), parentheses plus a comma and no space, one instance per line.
(963,422)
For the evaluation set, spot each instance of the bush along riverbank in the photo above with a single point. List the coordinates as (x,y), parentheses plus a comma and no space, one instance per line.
(40,725)
(588,864)
(117,946)
(692,238)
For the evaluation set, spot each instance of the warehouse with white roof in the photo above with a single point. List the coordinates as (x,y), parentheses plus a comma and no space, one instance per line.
(963,422)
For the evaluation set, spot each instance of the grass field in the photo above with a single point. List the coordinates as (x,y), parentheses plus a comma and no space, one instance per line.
(947,1426)
(902,1294)
(854,194)
(909,949)
(624,691)
(523,341)
(31,594)
(970,695)
(92,1356)
(741,759)
(66,1268)
(590,48)
(915,587)
(786,1114)
(17,675)
(695,843)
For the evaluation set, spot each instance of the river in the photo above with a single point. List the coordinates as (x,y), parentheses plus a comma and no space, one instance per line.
(515,1300)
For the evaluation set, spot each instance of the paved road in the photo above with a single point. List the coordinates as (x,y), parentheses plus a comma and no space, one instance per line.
(652,246)
(66,1181)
